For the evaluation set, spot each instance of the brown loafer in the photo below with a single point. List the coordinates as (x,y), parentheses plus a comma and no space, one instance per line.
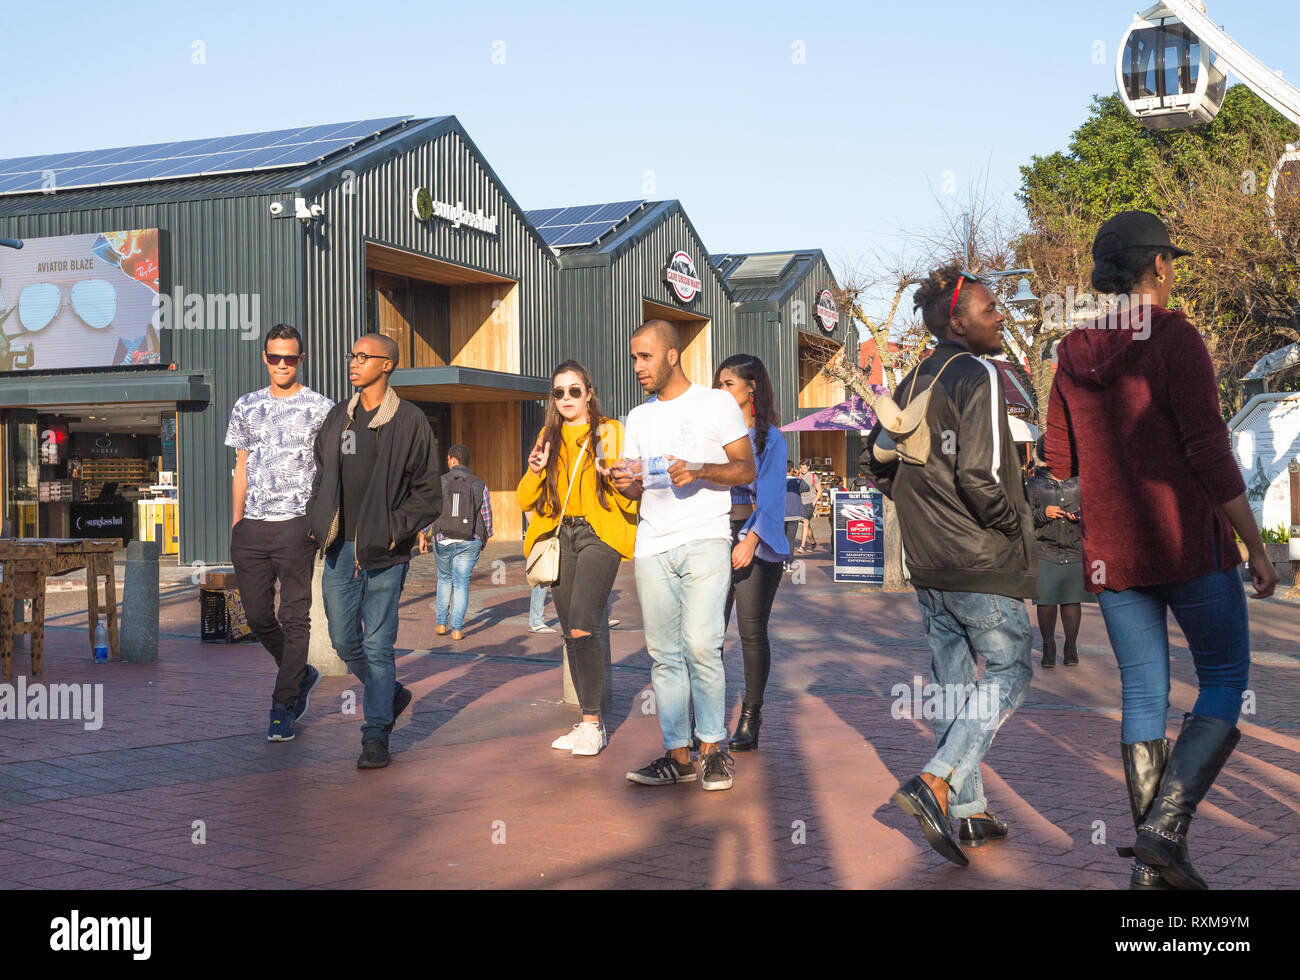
(457,635)
(442,631)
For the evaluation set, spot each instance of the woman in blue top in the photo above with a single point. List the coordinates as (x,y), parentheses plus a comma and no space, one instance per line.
(758,532)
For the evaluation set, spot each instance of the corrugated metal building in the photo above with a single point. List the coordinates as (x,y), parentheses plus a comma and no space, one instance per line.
(400,226)
(786,314)
(626,263)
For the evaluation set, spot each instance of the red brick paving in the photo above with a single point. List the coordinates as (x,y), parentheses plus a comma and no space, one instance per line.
(182,741)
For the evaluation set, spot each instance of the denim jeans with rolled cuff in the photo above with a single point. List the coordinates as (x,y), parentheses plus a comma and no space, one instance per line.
(361,607)
(958,626)
(682,592)
(537,607)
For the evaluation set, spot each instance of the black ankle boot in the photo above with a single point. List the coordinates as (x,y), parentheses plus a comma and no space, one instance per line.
(1049,652)
(1071,655)
(1202,748)
(1144,764)
(746,737)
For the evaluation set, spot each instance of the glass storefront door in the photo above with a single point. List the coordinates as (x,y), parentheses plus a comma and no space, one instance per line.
(21,471)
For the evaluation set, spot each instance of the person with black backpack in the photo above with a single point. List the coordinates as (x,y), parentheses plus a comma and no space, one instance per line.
(461,531)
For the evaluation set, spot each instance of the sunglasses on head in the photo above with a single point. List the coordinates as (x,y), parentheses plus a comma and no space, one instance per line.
(575,392)
(292,360)
(962,277)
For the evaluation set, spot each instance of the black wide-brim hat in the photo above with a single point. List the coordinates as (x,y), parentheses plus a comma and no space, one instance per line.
(1133,229)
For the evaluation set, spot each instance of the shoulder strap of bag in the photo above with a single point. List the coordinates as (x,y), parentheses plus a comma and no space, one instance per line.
(912,387)
(572,475)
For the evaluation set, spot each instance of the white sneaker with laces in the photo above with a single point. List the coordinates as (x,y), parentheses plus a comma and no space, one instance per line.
(565,741)
(588,739)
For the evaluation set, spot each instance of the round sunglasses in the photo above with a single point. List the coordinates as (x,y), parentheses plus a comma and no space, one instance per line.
(575,392)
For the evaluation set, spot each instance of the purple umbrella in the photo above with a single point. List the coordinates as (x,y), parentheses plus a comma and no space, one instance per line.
(852,414)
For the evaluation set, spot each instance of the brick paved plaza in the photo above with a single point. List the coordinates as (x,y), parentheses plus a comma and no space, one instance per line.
(476,798)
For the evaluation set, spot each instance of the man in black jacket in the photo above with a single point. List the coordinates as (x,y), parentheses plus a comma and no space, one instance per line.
(376,485)
(969,544)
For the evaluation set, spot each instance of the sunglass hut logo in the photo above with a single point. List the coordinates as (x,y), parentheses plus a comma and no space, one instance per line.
(681,277)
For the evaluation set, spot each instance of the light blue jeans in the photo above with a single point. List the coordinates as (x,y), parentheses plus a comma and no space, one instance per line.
(456,561)
(537,606)
(960,625)
(683,592)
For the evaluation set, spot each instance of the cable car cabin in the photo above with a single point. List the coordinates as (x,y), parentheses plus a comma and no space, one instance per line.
(1165,75)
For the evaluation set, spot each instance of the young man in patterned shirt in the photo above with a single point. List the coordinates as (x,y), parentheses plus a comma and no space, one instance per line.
(273,431)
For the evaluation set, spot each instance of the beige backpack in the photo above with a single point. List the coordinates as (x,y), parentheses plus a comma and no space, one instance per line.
(904,432)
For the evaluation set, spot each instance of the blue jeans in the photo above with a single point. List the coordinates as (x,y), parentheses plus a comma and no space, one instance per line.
(682,593)
(362,615)
(960,625)
(456,561)
(536,606)
(1211,610)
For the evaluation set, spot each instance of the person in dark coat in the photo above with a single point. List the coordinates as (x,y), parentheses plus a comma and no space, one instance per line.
(1057,513)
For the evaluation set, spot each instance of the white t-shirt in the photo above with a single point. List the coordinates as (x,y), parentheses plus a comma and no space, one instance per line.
(695,427)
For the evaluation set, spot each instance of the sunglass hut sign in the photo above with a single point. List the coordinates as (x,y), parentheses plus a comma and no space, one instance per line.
(426,208)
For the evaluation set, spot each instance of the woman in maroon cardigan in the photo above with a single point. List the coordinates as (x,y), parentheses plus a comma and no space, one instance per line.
(1135,413)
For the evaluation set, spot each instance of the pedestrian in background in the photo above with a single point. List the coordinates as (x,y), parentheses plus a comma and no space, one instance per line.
(461,531)
(759,550)
(1057,513)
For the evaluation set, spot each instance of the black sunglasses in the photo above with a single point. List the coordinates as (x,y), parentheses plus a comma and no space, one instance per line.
(292,360)
(575,392)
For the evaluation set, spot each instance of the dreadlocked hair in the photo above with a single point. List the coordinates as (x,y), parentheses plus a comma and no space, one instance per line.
(934,296)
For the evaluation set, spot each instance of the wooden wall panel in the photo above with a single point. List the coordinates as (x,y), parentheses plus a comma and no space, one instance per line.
(481,336)
(815,389)
(430,325)
(393,312)
(819,445)
(491,430)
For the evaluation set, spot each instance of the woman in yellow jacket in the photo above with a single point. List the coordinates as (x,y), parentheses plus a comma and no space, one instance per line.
(577,444)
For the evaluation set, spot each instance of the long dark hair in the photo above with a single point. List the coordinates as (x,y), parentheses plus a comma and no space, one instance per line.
(747,367)
(549,503)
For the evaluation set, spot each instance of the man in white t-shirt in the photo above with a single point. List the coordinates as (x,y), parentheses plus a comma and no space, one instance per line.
(683,547)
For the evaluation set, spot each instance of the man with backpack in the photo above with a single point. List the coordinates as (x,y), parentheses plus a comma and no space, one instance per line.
(461,532)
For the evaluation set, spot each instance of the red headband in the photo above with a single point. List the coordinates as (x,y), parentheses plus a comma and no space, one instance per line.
(955,293)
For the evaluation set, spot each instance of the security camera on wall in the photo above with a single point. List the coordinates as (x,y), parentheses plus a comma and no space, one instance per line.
(277,209)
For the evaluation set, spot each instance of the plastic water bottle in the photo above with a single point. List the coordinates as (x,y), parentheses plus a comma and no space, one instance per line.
(101,643)
(654,473)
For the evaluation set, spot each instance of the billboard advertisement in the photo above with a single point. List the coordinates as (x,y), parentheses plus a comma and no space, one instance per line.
(80,301)
(859,522)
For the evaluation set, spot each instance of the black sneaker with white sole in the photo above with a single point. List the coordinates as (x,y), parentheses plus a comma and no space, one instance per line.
(717,768)
(663,772)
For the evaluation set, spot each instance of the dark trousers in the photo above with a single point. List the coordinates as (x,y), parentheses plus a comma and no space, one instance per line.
(588,568)
(753,589)
(262,553)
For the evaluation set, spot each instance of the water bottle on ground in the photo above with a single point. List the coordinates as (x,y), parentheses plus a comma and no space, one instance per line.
(101,643)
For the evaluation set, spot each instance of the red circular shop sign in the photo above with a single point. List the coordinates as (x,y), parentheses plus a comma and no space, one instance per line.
(682,278)
(827,312)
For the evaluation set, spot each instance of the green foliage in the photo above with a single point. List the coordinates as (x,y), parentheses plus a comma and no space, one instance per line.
(1279,536)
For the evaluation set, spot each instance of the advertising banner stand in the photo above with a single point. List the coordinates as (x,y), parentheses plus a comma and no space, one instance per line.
(857,517)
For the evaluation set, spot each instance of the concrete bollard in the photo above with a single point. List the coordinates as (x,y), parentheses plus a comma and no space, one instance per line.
(320,652)
(138,636)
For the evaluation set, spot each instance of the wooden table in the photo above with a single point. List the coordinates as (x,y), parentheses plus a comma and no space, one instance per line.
(27,562)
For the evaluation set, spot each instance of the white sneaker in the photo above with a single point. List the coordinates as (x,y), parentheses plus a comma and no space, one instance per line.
(565,742)
(588,739)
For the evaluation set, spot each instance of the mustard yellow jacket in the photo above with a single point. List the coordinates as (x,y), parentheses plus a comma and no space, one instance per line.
(616,526)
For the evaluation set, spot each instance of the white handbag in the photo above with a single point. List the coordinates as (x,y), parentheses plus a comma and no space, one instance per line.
(543,563)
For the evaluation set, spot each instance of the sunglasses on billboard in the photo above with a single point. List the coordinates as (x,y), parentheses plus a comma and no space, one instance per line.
(575,392)
(93,300)
(290,360)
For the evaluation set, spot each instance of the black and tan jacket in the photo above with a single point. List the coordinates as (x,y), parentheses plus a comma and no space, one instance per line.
(404,494)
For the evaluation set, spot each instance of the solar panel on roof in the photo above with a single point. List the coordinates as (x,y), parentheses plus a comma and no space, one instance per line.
(615,212)
(188,158)
(581,224)
(763,266)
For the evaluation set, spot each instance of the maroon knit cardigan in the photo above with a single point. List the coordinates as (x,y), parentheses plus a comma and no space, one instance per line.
(1137,418)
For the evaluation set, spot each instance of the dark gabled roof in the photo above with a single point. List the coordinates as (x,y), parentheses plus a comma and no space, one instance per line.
(779,280)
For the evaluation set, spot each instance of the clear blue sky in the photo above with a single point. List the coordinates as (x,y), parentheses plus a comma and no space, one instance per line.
(844,151)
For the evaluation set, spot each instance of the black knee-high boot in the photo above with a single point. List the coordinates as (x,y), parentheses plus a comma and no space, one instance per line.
(1203,747)
(1144,765)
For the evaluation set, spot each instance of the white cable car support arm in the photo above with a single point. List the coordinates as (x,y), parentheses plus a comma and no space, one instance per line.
(1267,84)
